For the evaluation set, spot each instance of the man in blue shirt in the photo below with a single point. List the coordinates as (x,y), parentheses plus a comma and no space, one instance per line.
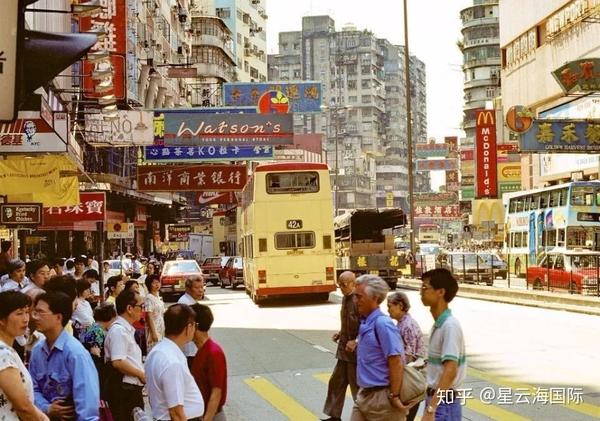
(379,356)
(65,380)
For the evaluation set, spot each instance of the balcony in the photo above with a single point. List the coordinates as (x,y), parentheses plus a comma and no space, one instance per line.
(489,61)
(478,83)
(481,42)
(213,41)
(215,70)
(488,20)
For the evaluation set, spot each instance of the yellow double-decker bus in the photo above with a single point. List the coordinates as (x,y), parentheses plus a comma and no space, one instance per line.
(287,231)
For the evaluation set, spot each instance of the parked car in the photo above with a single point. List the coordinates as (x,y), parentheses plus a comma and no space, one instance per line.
(572,270)
(467,267)
(495,261)
(232,273)
(174,274)
(211,268)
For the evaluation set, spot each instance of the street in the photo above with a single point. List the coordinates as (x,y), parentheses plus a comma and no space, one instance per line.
(280,356)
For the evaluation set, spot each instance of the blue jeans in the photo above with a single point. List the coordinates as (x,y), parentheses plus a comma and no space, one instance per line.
(447,411)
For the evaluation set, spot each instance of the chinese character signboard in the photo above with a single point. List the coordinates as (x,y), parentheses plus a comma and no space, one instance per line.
(579,76)
(112,19)
(202,129)
(91,208)
(432,150)
(452,142)
(179,232)
(452,181)
(207,153)
(21,213)
(130,128)
(485,154)
(191,178)
(30,133)
(439,211)
(563,136)
(436,164)
(425,199)
(302,97)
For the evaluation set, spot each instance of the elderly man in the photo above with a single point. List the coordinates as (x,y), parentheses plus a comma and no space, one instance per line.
(173,392)
(344,373)
(194,292)
(379,356)
(16,279)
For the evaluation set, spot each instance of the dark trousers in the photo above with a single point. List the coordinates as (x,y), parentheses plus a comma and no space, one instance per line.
(344,375)
(122,404)
(413,412)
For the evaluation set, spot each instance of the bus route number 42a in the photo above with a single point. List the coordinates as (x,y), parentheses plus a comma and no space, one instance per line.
(294,224)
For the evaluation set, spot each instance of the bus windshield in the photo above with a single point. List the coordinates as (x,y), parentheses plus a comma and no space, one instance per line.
(293,182)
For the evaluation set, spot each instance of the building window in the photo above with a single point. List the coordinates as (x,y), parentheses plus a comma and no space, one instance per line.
(223,12)
(297,74)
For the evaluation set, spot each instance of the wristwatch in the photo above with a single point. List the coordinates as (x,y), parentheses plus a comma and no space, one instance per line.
(430,409)
(393,395)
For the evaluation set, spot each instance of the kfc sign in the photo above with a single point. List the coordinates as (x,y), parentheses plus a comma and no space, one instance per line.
(485,155)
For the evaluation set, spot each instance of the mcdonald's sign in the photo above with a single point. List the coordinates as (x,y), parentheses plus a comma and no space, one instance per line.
(485,155)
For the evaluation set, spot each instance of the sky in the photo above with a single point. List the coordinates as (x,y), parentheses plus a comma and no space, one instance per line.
(433,30)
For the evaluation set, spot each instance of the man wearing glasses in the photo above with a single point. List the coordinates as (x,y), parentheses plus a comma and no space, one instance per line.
(126,376)
(344,373)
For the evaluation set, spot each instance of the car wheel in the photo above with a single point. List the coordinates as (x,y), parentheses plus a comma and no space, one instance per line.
(215,282)
(537,285)
(233,284)
(221,282)
(573,288)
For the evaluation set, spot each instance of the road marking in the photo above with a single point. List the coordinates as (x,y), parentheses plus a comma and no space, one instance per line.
(583,408)
(279,400)
(322,349)
(493,412)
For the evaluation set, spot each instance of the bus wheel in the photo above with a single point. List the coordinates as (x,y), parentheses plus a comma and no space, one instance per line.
(573,288)
(537,285)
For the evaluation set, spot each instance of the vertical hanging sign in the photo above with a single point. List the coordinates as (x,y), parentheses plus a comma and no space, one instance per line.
(485,155)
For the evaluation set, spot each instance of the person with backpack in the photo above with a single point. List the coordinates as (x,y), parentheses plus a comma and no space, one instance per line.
(379,357)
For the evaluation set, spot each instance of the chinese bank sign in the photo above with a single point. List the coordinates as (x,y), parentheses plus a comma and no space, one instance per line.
(563,136)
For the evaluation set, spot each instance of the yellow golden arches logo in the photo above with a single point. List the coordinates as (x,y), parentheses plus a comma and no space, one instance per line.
(485,118)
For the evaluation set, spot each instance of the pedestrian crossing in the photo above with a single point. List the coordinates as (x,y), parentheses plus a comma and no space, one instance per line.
(300,396)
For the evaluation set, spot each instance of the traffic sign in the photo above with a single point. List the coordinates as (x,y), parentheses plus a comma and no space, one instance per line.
(120,230)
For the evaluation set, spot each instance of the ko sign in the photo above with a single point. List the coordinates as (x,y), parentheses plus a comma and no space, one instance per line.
(485,154)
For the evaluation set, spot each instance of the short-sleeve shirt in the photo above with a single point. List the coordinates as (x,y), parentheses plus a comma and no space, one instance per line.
(412,337)
(374,349)
(209,369)
(190,349)
(120,345)
(10,359)
(170,383)
(446,343)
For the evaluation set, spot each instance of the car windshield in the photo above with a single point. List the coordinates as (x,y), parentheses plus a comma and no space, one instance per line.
(173,267)
(429,249)
(237,263)
(469,259)
(223,261)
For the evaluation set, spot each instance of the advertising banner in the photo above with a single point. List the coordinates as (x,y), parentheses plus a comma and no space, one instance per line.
(452,142)
(91,208)
(191,178)
(30,133)
(436,164)
(301,97)
(432,199)
(203,129)
(131,128)
(509,172)
(562,136)
(215,198)
(432,150)
(485,154)
(452,184)
(113,19)
(207,153)
(448,211)
(579,75)
(21,213)
(179,232)
(467,155)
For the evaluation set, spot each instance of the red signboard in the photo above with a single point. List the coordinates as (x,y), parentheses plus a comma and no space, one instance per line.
(447,211)
(91,208)
(191,177)
(485,155)
(436,164)
(112,19)
(215,198)
(467,155)
(452,181)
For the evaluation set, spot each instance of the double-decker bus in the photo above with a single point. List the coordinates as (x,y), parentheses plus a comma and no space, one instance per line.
(287,231)
(429,233)
(562,217)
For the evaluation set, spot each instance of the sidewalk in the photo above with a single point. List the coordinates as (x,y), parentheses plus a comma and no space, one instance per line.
(542,299)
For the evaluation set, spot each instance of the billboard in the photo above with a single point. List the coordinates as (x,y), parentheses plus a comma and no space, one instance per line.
(130,128)
(302,97)
(191,178)
(431,199)
(31,133)
(186,128)
(91,208)
(562,136)
(215,198)
(179,232)
(437,211)
(206,153)
(112,19)
(432,150)
(485,154)
(578,76)
(436,164)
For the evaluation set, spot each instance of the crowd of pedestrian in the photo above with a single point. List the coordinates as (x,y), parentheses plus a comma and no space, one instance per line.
(68,353)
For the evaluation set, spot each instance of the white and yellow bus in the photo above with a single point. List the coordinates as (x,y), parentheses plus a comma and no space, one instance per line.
(287,231)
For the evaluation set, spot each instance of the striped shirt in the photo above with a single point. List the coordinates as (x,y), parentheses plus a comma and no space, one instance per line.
(446,343)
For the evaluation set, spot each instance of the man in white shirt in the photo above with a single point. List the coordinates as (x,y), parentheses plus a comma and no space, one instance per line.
(124,358)
(194,292)
(172,391)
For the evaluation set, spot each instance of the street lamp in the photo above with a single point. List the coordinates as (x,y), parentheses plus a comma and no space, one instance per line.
(411,215)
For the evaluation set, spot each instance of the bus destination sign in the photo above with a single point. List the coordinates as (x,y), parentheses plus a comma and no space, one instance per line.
(294,224)
(588,216)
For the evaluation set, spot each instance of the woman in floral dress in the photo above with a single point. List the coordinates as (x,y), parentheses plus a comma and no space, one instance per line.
(155,308)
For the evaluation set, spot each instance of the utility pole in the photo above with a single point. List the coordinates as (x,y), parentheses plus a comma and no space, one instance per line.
(409,144)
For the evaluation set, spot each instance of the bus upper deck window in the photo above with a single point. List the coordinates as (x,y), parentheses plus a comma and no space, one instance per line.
(582,196)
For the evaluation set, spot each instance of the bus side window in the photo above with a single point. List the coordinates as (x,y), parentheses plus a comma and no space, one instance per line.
(262,245)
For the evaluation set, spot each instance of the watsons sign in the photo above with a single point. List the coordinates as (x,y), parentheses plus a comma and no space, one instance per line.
(485,155)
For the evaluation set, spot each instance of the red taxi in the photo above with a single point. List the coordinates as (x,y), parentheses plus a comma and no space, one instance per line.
(211,267)
(572,270)
(232,273)
(174,274)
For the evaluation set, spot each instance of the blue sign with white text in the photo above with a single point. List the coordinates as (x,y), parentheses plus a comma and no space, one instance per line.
(562,136)
(207,153)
